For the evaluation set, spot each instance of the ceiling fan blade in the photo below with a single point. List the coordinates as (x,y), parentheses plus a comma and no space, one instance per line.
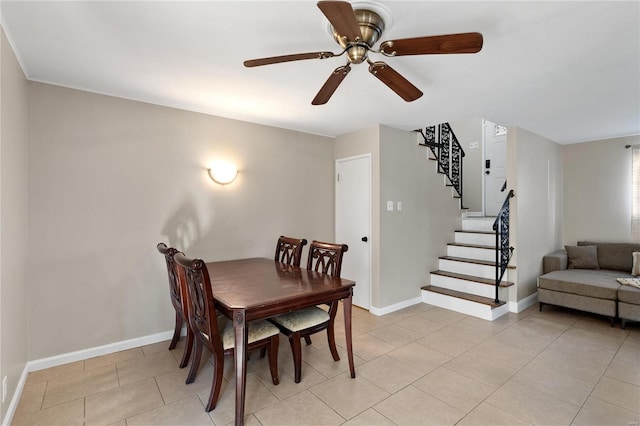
(395,81)
(340,15)
(287,58)
(450,43)
(330,86)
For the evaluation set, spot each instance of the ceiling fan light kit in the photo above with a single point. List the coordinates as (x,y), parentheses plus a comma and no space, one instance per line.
(357,31)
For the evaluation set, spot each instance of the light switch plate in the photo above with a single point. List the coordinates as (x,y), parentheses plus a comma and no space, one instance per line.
(390,206)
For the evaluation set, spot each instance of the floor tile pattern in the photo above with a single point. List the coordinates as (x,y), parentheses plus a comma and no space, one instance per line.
(419,366)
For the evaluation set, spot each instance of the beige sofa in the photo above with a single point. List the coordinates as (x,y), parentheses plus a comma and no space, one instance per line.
(585,278)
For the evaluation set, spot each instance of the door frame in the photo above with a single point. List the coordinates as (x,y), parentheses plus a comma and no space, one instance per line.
(482,169)
(486,122)
(367,156)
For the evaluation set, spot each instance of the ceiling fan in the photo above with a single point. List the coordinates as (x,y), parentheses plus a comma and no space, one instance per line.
(357,31)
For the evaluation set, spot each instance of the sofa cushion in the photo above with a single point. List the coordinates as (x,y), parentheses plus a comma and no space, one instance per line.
(635,270)
(629,294)
(628,311)
(575,301)
(600,284)
(555,261)
(582,257)
(616,256)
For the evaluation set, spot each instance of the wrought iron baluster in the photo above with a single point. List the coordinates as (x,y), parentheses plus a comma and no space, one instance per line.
(503,251)
(445,149)
(448,152)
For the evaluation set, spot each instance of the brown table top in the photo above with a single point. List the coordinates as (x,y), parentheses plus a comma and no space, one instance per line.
(260,284)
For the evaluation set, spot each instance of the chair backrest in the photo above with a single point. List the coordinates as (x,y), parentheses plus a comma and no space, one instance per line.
(289,250)
(176,291)
(202,309)
(326,257)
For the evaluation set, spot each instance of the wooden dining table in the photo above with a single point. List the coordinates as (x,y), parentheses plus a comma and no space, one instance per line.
(257,288)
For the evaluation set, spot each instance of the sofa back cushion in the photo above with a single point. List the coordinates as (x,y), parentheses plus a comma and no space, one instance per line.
(615,256)
(582,257)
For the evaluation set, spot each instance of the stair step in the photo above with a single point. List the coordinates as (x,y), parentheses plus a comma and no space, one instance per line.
(465,296)
(472,250)
(478,246)
(478,238)
(484,223)
(466,231)
(479,280)
(474,261)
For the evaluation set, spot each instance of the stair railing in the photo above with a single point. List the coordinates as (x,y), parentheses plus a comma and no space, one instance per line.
(448,152)
(503,250)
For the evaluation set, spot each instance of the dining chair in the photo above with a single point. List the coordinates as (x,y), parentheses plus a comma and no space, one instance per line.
(289,250)
(178,294)
(327,259)
(215,332)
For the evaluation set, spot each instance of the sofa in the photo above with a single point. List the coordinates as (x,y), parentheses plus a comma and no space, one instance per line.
(585,277)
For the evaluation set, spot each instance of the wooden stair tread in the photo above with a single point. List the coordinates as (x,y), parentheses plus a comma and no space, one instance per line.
(479,280)
(477,262)
(466,296)
(479,246)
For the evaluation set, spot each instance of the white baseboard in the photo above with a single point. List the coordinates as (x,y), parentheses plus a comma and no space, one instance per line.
(523,304)
(54,361)
(395,307)
(11,410)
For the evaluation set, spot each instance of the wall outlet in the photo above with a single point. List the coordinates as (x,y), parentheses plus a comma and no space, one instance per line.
(4,388)
(399,205)
(390,206)
(473,145)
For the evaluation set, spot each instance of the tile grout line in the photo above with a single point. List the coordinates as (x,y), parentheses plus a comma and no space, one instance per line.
(514,374)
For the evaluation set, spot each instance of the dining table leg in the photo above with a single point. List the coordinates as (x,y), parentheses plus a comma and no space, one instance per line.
(240,356)
(346,303)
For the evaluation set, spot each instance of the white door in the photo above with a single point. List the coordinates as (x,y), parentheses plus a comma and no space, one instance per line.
(495,170)
(353,223)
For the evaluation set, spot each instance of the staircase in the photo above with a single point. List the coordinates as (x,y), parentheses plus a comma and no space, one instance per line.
(465,279)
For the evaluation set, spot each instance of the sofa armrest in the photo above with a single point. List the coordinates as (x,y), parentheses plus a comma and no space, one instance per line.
(554,261)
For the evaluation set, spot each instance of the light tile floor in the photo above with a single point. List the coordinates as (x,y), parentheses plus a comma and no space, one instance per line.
(419,366)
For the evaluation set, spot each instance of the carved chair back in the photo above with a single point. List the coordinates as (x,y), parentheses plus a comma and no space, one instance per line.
(202,308)
(326,257)
(289,250)
(176,291)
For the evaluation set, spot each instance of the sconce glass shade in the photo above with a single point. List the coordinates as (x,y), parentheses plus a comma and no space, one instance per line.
(223,173)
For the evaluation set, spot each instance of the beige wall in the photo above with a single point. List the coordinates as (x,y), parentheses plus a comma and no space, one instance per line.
(110,178)
(597,198)
(14,115)
(406,244)
(536,210)
(412,239)
(468,131)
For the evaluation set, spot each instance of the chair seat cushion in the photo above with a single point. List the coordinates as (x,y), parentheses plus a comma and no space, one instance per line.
(302,318)
(258,330)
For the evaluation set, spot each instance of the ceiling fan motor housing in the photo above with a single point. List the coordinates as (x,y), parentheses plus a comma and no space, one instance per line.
(371,27)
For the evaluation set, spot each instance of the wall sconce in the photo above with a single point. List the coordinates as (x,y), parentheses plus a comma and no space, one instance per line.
(223,173)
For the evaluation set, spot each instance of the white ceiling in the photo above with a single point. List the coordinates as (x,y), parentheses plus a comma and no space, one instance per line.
(568,71)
